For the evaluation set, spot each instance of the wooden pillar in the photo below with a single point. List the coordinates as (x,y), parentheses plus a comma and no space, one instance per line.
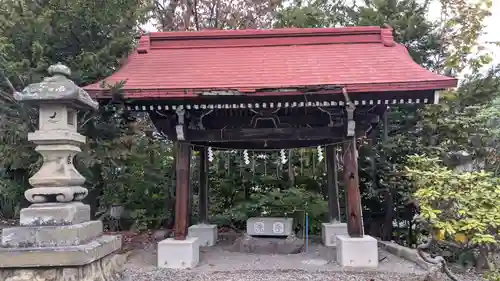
(332,183)
(203,191)
(351,179)
(387,194)
(385,128)
(182,173)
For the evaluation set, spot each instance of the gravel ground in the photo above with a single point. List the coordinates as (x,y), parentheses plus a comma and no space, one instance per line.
(273,275)
(318,257)
(260,275)
(318,264)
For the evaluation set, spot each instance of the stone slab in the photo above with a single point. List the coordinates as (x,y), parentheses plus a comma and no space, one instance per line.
(55,214)
(206,234)
(357,252)
(51,236)
(109,268)
(329,232)
(60,256)
(179,254)
(269,226)
(268,245)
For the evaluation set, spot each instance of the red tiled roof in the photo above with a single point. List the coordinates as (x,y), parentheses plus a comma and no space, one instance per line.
(181,64)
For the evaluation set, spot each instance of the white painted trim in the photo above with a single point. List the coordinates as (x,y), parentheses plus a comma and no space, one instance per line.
(257,105)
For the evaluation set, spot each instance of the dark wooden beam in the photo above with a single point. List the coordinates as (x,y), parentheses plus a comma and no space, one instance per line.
(182,186)
(385,126)
(164,124)
(268,145)
(203,191)
(351,179)
(332,183)
(242,119)
(273,134)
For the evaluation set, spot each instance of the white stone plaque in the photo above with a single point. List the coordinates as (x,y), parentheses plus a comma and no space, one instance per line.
(269,226)
(278,228)
(258,227)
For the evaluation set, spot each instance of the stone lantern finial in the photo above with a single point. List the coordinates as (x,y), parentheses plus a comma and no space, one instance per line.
(60,69)
(58,99)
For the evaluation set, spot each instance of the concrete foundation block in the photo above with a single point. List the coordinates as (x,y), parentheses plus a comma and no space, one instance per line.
(329,232)
(357,252)
(179,254)
(206,234)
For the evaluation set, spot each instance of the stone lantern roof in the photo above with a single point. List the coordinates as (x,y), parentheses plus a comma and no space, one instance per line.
(57,88)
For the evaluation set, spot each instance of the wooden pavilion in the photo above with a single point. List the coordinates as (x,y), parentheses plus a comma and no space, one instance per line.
(276,89)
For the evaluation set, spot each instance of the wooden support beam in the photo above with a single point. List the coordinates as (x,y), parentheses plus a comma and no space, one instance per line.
(387,194)
(332,183)
(283,144)
(385,126)
(351,179)
(203,191)
(262,134)
(271,134)
(182,173)
(243,119)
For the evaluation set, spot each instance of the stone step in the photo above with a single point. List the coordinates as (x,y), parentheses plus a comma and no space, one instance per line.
(59,256)
(51,236)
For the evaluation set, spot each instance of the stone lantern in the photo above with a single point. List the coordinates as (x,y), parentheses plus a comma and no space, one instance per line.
(56,232)
(57,139)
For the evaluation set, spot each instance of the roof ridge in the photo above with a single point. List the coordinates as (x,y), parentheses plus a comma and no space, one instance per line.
(263,33)
(387,36)
(265,37)
(144,44)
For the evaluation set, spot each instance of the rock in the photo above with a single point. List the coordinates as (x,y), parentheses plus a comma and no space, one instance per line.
(268,245)
(161,234)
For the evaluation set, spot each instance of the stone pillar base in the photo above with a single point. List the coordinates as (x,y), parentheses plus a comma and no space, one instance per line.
(109,268)
(206,234)
(178,254)
(357,252)
(329,232)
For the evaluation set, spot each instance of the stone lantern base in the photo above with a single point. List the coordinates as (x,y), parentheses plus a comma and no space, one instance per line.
(104,269)
(58,242)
